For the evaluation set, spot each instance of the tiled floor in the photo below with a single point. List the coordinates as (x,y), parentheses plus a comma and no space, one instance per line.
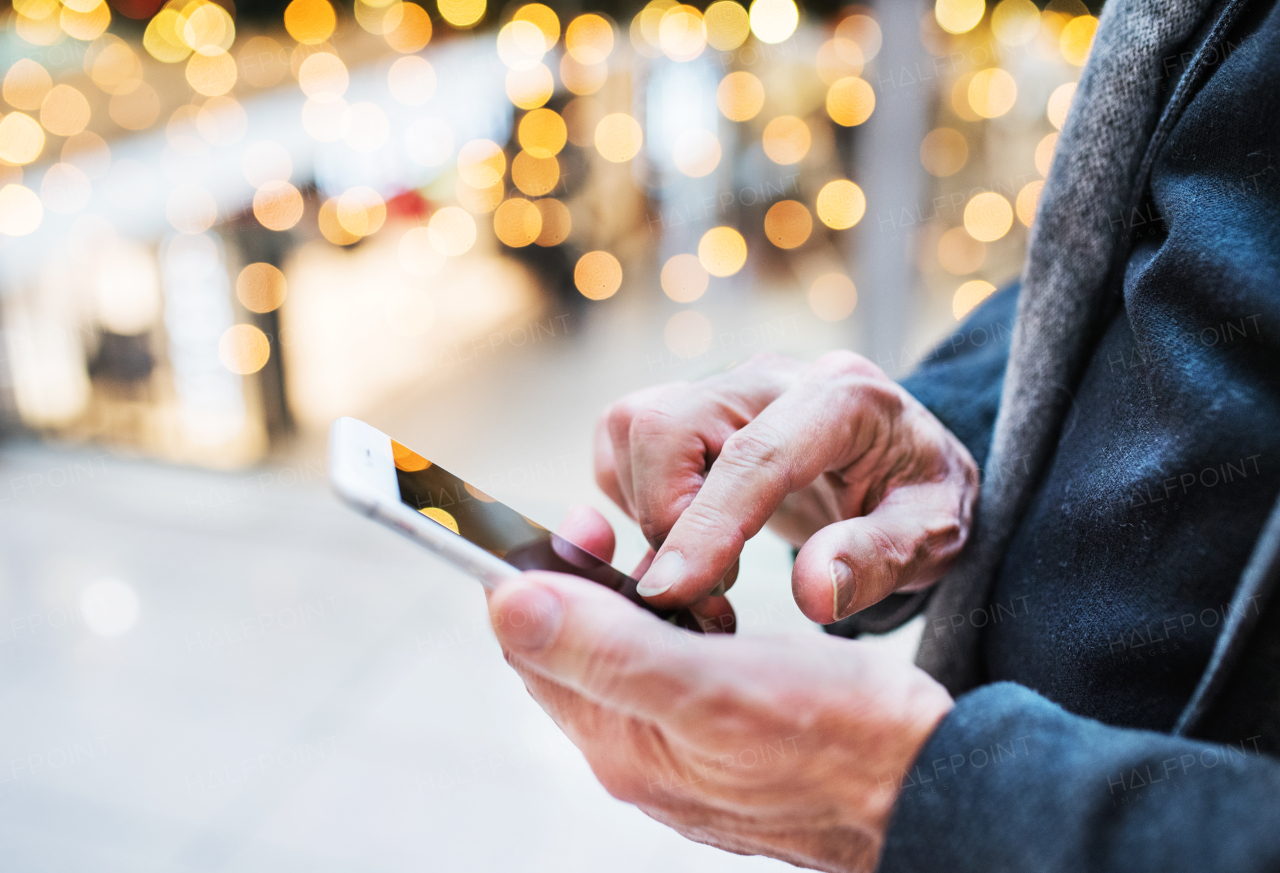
(301,689)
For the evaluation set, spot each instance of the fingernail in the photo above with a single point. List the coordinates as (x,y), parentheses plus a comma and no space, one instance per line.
(664,572)
(843,588)
(530,619)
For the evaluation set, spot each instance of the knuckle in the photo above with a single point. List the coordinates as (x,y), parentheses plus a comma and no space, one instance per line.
(651,421)
(843,362)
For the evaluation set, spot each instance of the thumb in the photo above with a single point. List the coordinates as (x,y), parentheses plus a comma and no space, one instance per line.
(585,637)
(910,539)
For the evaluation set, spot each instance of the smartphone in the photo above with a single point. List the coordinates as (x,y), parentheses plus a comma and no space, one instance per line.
(395,485)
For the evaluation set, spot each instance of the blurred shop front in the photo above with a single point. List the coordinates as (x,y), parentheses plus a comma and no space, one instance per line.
(220,224)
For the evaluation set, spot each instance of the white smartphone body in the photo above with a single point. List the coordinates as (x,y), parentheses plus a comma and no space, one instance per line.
(398,487)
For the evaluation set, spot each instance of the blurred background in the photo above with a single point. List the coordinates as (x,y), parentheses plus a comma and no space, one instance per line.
(473,225)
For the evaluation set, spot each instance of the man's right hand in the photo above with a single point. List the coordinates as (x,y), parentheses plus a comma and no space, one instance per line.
(836,457)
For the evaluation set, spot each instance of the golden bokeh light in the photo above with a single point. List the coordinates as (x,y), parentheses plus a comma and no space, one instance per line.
(20,210)
(407,459)
(850,101)
(212,75)
(944,152)
(191,209)
(377,16)
(597,275)
(207,27)
(261,287)
(684,279)
(310,21)
(728,25)
(331,228)
(517,222)
(361,210)
(64,111)
(839,59)
(1077,39)
(682,35)
(1028,200)
(413,32)
(89,152)
(589,38)
(481,163)
(1044,153)
(1015,22)
(452,231)
(278,206)
(85,25)
(544,18)
(1060,104)
(740,96)
(557,222)
(521,44)
(960,98)
(529,89)
(959,253)
(262,62)
(833,297)
(580,78)
(618,137)
(244,349)
(439,516)
(136,110)
(26,84)
(841,204)
(323,77)
(688,334)
(969,295)
(542,133)
(992,92)
(412,80)
(722,251)
(958,16)
(162,38)
(533,175)
(21,139)
(222,121)
(864,31)
(114,68)
(788,224)
(37,22)
(772,21)
(786,140)
(697,152)
(418,255)
(462,13)
(988,216)
(479,201)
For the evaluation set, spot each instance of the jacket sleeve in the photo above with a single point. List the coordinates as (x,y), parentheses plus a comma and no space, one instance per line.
(960,383)
(1011,782)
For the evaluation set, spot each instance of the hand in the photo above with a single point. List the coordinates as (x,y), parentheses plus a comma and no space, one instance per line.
(792,747)
(837,458)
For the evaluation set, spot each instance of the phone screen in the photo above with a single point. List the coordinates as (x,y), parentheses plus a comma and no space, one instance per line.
(504,533)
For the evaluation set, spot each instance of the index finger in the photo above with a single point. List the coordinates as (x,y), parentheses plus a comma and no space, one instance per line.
(821,424)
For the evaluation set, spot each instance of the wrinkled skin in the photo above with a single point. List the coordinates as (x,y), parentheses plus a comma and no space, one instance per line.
(792,747)
(838,459)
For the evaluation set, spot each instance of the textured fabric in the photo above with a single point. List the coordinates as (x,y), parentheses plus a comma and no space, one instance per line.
(1064,303)
(1010,782)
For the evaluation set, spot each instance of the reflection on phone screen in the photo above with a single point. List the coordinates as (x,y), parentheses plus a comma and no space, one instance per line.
(504,533)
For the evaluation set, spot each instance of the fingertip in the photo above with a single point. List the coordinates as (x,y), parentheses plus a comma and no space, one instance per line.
(586,528)
(526,614)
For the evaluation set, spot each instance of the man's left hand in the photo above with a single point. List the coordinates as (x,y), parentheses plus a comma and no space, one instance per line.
(793,747)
